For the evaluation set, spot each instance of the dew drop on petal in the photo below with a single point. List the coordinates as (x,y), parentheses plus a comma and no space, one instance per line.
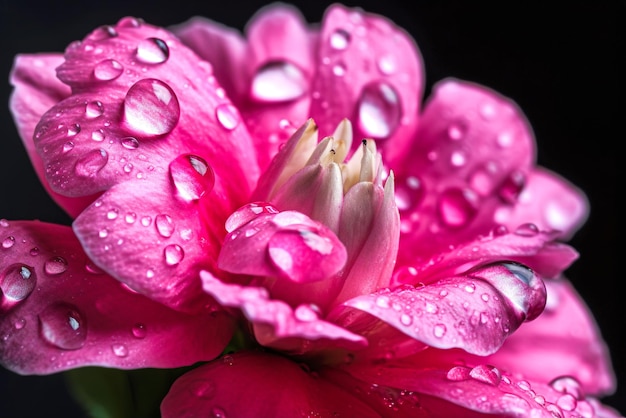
(486,374)
(456,131)
(129,22)
(17,282)
(339,39)
(139,331)
(439,330)
(458,373)
(91,163)
(406,319)
(567,384)
(73,129)
(191,176)
(8,242)
(173,254)
(378,110)
(120,350)
(217,412)
(305,313)
(278,82)
(19,323)
(94,109)
(164,225)
(383,301)
(63,326)
(152,51)
(151,108)
(55,266)
(527,230)
(130,143)
(457,207)
(68,146)
(107,70)
(227,115)
(98,135)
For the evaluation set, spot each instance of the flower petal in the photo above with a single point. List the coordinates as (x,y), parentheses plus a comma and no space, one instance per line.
(36,89)
(276,324)
(475,312)
(60,312)
(273,387)
(369,71)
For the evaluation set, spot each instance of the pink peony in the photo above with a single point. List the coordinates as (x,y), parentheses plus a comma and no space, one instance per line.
(287,192)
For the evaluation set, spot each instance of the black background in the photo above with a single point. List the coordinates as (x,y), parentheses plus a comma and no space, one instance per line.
(560,66)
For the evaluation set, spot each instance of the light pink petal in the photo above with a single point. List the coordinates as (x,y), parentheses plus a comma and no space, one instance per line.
(147,236)
(550,201)
(471,155)
(266,386)
(369,71)
(482,388)
(475,312)
(59,311)
(276,324)
(564,340)
(36,89)
(140,100)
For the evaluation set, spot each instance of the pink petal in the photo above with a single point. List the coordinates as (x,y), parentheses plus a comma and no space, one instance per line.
(471,156)
(140,99)
(565,340)
(276,324)
(60,312)
(475,312)
(551,202)
(36,89)
(272,386)
(369,71)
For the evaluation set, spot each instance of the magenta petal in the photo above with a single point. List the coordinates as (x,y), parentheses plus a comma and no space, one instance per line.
(59,311)
(371,72)
(36,89)
(563,341)
(276,324)
(475,312)
(272,386)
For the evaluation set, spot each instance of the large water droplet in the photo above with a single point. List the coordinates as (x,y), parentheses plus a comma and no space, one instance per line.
(305,313)
(107,70)
(227,115)
(130,143)
(151,108)
(278,82)
(457,207)
(191,176)
(63,326)
(120,350)
(378,110)
(8,242)
(55,266)
(173,254)
(164,225)
(458,373)
(91,163)
(139,331)
(567,384)
(439,330)
(17,282)
(486,374)
(339,39)
(152,51)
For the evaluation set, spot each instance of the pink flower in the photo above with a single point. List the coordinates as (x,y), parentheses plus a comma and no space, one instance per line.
(380,258)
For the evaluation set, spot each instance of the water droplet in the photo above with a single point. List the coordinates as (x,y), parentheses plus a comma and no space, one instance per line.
(55,266)
(456,131)
(17,282)
(457,207)
(120,350)
(164,225)
(481,180)
(94,109)
(129,22)
(383,302)
(8,242)
(62,325)
(130,143)
(566,402)
(406,319)
(151,108)
(305,313)
(486,374)
(191,176)
(91,163)
(504,140)
(146,221)
(107,70)
(217,412)
(458,158)
(98,135)
(512,187)
(68,146)
(227,115)
(339,69)
(458,373)
(19,323)
(470,287)
(386,65)
(567,384)
(378,110)
(34,251)
(278,82)
(439,330)
(173,254)
(339,39)
(73,129)
(152,51)
(139,331)
(228,360)
(527,230)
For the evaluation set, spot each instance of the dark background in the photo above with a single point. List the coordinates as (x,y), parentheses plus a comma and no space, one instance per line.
(560,66)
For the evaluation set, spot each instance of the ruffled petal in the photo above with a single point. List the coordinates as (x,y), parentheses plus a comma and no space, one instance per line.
(272,386)
(475,312)
(36,89)
(276,324)
(369,71)
(60,312)
(472,154)
(563,341)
